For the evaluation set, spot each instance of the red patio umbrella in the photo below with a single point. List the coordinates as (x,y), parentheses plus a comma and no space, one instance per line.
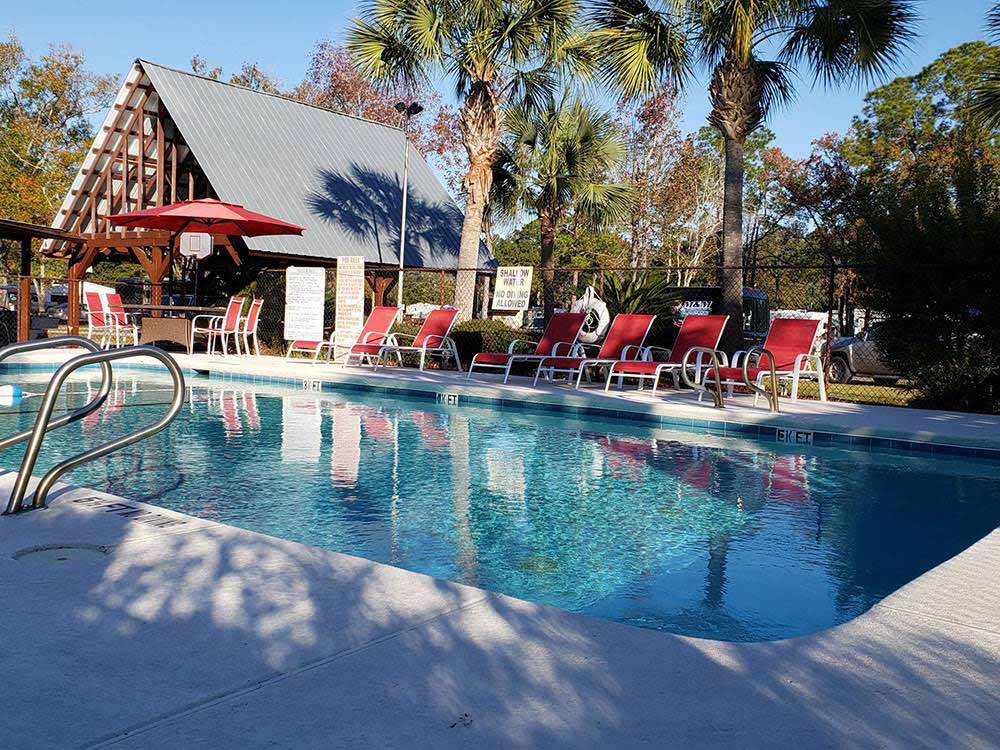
(206,215)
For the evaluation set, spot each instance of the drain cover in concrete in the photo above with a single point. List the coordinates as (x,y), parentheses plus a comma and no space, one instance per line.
(61,554)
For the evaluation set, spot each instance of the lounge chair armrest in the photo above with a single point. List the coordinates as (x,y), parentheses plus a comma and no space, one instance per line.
(208,318)
(397,336)
(802,362)
(515,342)
(376,334)
(436,341)
(555,348)
(638,351)
(649,350)
(580,349)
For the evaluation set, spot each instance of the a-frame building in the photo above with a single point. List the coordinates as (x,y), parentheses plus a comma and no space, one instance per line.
(172,135)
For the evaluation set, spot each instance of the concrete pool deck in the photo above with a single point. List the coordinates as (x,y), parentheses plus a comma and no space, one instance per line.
(157,629)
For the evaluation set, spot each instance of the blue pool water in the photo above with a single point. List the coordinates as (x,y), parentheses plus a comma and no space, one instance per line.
(692,534)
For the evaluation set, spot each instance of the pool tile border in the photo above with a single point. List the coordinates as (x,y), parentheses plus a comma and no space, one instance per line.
(766,433)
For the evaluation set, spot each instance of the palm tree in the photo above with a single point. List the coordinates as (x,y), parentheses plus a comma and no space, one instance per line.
(836,40)
(495,52)
(986,97)
(555,161)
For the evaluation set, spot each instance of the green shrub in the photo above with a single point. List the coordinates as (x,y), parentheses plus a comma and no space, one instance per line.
(483,335)
(643,293)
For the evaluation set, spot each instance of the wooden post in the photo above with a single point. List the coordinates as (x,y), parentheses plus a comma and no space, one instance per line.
(161,161)
(77,270)
(24,292)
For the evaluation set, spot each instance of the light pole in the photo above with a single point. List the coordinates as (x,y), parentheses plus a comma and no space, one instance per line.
(406,111)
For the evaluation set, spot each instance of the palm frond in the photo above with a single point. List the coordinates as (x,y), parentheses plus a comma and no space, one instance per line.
(640,46)
(533,89)
(985,104)
(778,87)
(382,54)
(993,23)
(851,40)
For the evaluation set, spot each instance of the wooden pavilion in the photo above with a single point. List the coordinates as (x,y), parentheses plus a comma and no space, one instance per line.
(172,136)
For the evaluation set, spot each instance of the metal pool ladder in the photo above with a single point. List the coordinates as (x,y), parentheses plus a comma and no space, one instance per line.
(44,421)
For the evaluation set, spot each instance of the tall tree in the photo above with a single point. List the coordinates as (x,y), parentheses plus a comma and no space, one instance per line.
(556,161)
(837,40)
(495,51)
(45,104)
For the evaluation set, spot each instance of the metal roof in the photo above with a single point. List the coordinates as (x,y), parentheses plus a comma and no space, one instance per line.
(338,176)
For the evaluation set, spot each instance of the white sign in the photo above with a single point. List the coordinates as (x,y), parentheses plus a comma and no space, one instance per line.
(513,288)
(350,311)
(304,294)
(196,245)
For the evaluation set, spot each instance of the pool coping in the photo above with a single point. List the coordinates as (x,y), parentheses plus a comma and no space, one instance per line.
(856,664)
(862,427)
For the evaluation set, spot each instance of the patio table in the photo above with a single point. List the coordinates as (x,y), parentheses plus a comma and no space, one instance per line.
(176,329)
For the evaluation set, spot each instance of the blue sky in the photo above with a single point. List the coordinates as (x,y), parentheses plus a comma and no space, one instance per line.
(279,36)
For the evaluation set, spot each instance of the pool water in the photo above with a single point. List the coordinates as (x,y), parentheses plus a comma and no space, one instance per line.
(693,534)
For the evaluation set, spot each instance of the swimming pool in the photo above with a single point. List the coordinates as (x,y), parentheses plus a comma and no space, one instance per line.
(693,534)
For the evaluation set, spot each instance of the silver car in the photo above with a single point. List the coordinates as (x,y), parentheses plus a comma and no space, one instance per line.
(860,356)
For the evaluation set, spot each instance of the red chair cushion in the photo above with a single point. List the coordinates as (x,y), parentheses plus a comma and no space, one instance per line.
(366,349)
(736,373)
(492,358)
(636,368)
(562,363)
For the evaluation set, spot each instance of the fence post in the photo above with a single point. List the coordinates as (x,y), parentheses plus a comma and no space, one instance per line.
(828,347)
(24,292)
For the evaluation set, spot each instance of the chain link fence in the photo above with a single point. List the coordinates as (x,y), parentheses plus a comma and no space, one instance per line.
(862,359)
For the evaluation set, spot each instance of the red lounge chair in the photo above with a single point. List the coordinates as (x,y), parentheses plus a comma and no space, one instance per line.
(367,346)
(100,323)
(623,343)
(124,326)
(792,346)
(561,332)
(219,327)
(697,332)
(431,340)
(247,327)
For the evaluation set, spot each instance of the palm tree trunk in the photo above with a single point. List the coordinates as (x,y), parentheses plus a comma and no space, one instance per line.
(732,243)
(480,123)
(468,251)
(548,227)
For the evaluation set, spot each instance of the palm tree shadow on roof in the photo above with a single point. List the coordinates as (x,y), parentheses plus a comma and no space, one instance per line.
(367,205)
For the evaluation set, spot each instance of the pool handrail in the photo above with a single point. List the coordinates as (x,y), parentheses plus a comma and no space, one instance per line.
(16,502)
(89,408)
(713,355)
(772,396)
